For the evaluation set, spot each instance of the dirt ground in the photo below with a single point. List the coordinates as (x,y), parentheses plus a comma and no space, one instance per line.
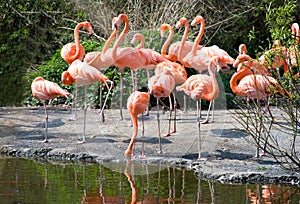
(227,149)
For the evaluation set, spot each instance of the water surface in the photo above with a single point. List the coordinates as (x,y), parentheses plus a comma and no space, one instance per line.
(28,181)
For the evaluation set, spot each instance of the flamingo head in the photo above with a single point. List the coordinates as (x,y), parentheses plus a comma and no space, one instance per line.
(197,20)
(163,28)
(182,21)
(242,49)
(66,78)
(88,26)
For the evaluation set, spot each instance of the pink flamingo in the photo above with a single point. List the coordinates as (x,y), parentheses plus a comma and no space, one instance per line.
(45,90)
(202,86)
(84,74)
(128,56)
(176,70)
(103,59)
(184,47)
(73,51)
(256,86)
(161,85)
(137,103)
(200,59)
(293,50)
(175,47)
(275,57)
(152,53)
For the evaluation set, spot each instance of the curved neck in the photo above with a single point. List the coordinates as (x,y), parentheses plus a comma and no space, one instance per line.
(77,40)
(184,37)
(139,37)
(236,77)
(108,42)
(212,73)
(124,18)
(198,38)
(167,42)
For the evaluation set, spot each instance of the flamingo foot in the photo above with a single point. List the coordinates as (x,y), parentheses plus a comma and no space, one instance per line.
(45,141)
(128,153)
(73,118)
(170,133)
(142,156)
(159,151)
(81,142)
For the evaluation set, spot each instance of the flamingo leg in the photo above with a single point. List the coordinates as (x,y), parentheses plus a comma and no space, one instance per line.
(84,116)
(121,94)
(100,103)
(158,124)
(143,137)
(211,106)
(199,129)
(170,115)
(134,82)
(109,90)
(46,123)
(175,107)
(75,102)
(184,103)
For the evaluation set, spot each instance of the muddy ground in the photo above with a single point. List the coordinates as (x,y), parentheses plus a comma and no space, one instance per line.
(227,149)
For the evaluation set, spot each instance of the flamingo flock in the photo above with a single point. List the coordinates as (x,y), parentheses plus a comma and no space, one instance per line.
(253,78)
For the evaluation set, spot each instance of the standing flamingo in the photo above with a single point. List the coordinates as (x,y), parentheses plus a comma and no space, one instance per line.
(45,90)
(256,86)
(161,85)
(72,51)
(84,74)
(137,103)
(202,86)
(128,56)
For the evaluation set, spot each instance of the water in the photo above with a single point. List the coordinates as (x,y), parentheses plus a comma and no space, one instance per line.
(28,181)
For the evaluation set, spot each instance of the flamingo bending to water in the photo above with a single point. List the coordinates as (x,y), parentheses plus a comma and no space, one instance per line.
(137,103)
(45,90)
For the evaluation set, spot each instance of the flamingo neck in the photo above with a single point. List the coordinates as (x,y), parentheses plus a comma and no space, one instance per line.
(211,70)
(124,18)
(107,43)
(236,77)
(77,40)
(141,39)
(167,42)
(184,37)
(198,38)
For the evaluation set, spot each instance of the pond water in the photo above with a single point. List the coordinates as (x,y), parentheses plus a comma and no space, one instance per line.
(28,181)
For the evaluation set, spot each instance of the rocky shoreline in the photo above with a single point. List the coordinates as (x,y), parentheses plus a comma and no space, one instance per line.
(228,150)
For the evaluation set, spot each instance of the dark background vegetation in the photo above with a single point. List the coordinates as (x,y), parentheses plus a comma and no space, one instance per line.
(33,32)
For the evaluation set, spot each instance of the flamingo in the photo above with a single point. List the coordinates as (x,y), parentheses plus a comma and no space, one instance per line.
(72,51)
(275,57)
(293,50)
(84,74)
(152,53)
(45,90)
(200,59)
(257,86)
(128,56)
(137,103)
(161,85)
(103,59)
(175,47)
(184,47)
(202,86)
(176,70)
